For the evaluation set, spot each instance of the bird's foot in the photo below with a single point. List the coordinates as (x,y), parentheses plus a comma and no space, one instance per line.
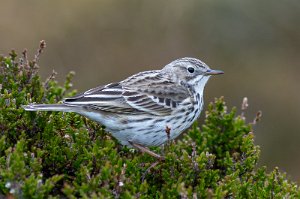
(146,150)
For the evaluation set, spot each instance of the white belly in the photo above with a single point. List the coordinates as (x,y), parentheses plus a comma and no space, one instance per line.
(151,132)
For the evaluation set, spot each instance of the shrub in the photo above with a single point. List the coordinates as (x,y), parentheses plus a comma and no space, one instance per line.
(54,154)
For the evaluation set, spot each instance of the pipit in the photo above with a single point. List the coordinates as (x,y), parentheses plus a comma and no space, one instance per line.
(146,109)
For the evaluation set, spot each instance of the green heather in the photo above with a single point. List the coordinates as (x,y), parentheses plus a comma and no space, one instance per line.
(64,155)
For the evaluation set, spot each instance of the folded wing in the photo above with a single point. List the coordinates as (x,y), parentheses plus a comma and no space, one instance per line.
(159,97)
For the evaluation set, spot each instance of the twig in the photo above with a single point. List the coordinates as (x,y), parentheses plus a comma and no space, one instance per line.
(51,77)
(244,107)
(39,51)
(24,60)
(257,117)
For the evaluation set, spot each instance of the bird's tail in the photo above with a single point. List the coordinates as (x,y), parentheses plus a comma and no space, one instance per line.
(49,107)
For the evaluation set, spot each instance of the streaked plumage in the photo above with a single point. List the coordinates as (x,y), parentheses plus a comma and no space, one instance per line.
(141,107)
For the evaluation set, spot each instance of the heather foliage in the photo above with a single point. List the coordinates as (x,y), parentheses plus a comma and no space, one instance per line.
(53,154)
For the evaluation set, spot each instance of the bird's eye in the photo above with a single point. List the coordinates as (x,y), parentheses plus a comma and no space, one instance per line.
(191,69)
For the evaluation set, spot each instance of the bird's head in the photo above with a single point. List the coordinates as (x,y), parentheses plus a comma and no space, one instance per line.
(190,71)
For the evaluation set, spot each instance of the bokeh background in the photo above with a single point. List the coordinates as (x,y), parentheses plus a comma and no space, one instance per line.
(256,43)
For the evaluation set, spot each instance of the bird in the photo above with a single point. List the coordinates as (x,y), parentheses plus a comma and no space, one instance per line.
(146,109)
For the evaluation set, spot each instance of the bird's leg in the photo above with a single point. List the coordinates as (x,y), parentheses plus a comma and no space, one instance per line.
(148,170)
(146,150)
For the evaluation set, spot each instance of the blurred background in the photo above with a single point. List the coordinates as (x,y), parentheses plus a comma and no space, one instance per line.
(256,43)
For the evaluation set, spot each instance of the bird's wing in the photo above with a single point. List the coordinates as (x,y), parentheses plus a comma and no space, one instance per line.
(105,98)
(154,94)
(158,97)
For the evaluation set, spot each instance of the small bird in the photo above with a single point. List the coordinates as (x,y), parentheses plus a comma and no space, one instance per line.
(146,109)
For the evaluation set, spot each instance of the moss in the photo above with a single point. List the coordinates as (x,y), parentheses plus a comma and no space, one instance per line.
(53,154)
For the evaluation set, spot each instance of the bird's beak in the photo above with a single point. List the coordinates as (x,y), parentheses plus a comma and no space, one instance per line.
(214,72)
